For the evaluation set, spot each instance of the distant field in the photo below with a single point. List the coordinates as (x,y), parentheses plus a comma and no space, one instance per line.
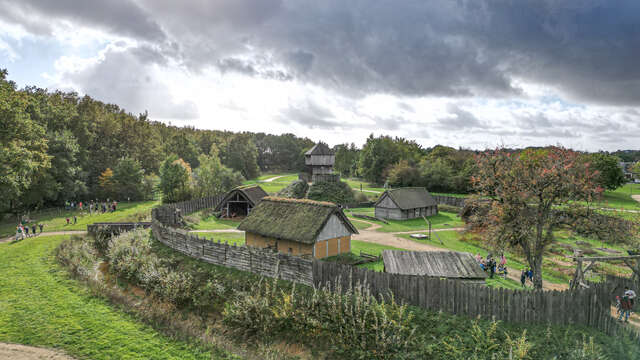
(273,187)
(443,220)
(621,197)
(55,220)
(41,306)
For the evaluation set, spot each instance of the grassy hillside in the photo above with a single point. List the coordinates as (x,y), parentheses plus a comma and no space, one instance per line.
(55,220)
(41,306)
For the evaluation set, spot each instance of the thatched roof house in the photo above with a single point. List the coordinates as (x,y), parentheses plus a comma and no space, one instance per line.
(439,264)
(241,200)
(299,227)
(405,203)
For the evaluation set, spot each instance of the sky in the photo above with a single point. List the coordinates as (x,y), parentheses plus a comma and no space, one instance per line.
(475,74)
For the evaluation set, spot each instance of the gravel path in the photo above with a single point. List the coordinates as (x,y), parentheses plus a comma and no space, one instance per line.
(636,197)
(22,352)
(48,233)
(273,178)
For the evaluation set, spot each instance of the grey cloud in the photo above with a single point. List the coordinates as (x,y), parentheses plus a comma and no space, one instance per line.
(124,79)
(123,17)
(458,119)
(309,114)
(252,68)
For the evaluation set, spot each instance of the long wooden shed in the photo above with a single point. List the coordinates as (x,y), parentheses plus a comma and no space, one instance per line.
(298,227)
(405,203)
(438,264)
(240,201)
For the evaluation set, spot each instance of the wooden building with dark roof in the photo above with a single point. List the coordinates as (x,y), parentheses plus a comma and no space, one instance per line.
(298,227)
(437,264)
(240,201)
(405,203)
(319,161)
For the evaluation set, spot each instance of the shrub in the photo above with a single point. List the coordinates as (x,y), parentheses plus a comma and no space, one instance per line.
(361,197)
(335,192)
(356,323)
(79,256)
(296,190)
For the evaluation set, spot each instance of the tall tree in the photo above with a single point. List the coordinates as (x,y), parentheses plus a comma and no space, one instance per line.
(241,155)
(213,178)
(128,179)
(524,189)
(23,145)
(346,159)
(175,180)
(610,175)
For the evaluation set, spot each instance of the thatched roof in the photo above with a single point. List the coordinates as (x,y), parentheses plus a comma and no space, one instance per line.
(319,149)
(297,220)
(410,198)
(442,264)
(253,194)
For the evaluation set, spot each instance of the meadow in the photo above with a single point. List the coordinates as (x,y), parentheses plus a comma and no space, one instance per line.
(41,306)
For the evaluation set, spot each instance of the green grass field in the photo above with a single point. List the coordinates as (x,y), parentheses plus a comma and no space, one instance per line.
(230,238)
(41,306)
(621,198)
(276,185)
(443,220)
(55,220)
(200,221)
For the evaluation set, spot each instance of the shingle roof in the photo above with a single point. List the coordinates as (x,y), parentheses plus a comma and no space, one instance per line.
(445,264)
(253,193)
(410,198)
(319,149)
(297,220)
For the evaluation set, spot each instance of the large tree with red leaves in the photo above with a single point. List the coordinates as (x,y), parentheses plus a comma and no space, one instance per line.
(524,191)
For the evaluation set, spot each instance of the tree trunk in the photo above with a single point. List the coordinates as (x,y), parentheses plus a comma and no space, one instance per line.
(536,267)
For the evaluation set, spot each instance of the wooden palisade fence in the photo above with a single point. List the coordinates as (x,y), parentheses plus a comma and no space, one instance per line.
(588,307)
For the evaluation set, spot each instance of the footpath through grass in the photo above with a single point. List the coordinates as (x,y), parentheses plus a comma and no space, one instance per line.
(41,306)
(55,220)
(274,186)
(443,220)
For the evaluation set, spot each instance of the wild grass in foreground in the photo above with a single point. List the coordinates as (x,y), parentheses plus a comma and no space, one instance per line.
(41,306)
(265,312)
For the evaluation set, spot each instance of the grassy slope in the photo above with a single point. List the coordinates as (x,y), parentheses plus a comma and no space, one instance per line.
(274,186)
(200,221)
(621,197)
(55,220)
(40,306)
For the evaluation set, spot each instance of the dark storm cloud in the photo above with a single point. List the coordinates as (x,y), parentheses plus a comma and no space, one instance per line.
(588,49)
(252,68)
(123,17)
(124,79)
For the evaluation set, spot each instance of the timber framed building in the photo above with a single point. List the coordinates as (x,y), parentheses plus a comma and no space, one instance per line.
(405,203)
(240,201)
(298,227)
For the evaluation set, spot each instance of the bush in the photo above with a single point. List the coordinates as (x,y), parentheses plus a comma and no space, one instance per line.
(79,256)
(335,192)
(361,197)
(296,190)
(356,324)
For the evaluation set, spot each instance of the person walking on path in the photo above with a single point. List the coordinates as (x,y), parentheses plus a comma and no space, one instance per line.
(625,305)
(523,279)
(631,294)
(68,221)
(503,260)
(40,226)
(33,229)
(75,219)
(18,232)
(26,231)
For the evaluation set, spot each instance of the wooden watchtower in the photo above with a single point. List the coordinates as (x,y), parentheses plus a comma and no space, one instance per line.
(319,161)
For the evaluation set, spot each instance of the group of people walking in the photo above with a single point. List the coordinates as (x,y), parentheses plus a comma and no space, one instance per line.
(526,274)
(22,230)
(491,266)
(93,206)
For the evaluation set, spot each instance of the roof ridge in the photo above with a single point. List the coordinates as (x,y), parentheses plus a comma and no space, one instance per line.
(299,201)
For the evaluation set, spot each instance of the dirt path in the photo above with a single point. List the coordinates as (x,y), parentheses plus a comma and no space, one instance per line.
(22,352)
(273,178)
(48,233)
(390,239)
(369,191)
(636,197)
(218,231)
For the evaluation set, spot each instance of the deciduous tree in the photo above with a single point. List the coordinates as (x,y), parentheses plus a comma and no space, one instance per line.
(524,188)
(175,180)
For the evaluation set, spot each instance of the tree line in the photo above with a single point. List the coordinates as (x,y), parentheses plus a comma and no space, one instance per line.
(57,146)
(399,162)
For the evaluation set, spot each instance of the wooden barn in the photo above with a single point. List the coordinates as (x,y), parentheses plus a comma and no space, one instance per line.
(405,203)
(298,227)
(240,201)
(437,264)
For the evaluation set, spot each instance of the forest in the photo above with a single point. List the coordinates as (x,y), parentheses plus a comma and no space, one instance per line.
(59,146)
